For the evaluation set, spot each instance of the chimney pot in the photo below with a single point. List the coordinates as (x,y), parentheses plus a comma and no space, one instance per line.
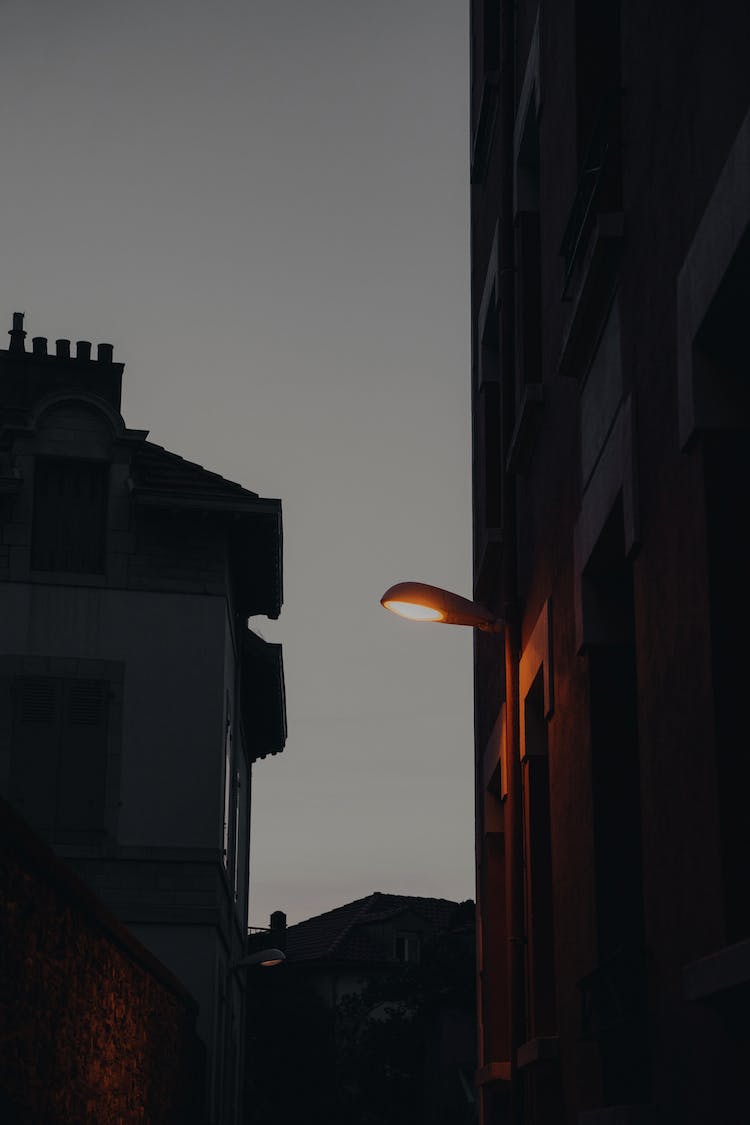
(104,353)
(83,349)
(278,920)
(17,334)
(62,348)
(39,345)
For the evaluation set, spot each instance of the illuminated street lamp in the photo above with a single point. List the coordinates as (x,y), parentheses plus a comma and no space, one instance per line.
(419,602)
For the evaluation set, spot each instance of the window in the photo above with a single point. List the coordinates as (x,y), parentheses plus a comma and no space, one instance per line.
(59,755)
(722,351)
(597,68)
(406,947)
(528,257)
(227,790)
(490,35)
(70,507)
(236,814)
(614,995)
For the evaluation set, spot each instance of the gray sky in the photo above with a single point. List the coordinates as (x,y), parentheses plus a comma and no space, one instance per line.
(264,208)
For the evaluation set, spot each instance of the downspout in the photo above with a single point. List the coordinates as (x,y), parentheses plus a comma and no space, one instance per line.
(514,827)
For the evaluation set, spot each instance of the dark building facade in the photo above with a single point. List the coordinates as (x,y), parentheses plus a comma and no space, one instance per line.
(134,700)
(375,1002)
(610,276)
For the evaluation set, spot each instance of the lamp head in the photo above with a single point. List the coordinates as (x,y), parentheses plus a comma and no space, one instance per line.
(264,958)
(420,602)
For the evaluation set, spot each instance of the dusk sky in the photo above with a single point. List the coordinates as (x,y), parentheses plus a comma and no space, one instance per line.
(264,208)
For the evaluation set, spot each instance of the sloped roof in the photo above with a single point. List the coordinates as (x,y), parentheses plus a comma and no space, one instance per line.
(344,934)
(155,469)
(160,479)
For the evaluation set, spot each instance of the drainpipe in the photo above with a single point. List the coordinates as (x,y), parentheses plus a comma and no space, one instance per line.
(514,826)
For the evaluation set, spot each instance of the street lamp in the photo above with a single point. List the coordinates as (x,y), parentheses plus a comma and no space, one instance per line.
(264,958)
(419,602)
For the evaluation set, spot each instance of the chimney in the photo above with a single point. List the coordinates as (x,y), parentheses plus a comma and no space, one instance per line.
(278,922)
(62,349)
(17,334)
(104,353)
(39,345)
(83,349)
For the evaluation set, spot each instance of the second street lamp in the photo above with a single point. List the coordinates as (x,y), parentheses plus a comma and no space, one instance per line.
(418,601)
(421,602)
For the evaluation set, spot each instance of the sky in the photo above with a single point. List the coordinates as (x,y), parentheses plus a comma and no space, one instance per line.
(264,208)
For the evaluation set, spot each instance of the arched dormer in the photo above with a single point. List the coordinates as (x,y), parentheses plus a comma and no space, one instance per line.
(83,425)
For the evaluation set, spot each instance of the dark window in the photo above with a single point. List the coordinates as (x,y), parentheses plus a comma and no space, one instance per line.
(407,947)
(489,428)
(528,258)
(537,856)
(614,995)
(597,67)
(58,755)
(491,35)
(70,507)
(722,355)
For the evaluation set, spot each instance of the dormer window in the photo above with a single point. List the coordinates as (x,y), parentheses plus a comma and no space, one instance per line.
(70,509)
(407,947)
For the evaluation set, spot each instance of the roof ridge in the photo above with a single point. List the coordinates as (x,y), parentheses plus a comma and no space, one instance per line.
(353,921)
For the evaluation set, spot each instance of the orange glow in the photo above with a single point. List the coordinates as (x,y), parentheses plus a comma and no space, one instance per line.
(275,961)
(415,612)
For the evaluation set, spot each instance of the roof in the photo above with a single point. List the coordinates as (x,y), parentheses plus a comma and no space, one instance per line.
(349,933)
(160,479)
(156,470)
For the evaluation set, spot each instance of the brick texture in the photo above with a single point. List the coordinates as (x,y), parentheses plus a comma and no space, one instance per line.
(93,1028)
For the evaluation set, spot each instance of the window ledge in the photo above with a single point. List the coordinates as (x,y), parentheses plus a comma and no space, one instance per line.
(593,290)
(488,557)
(526,429)
(721,973)
(620,1115)
(492,1072)
(485,127)
(545,1048)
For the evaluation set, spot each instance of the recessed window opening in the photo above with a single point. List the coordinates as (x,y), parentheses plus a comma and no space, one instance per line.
(70,509)
(407,947)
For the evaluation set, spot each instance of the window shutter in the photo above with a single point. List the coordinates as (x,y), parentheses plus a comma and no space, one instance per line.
(83,759)
(70,505)
(37,706)
(59,755)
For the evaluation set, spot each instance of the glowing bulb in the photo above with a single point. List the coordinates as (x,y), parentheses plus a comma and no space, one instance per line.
(415,612)
(267,964)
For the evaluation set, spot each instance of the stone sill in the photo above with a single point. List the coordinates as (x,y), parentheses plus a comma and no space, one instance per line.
(595,284)
(492,1072)
(543,1049)
(722,972)
(620,1115)
(487,570)
(526,429)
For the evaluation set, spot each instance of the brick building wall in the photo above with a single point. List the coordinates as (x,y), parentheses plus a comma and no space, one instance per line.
(93,1027)
(610,283)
